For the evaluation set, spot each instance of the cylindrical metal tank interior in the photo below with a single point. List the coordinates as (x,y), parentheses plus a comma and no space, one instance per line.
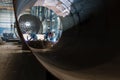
(90,35)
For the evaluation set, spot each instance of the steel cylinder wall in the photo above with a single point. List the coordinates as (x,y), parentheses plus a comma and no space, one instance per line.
(80,10)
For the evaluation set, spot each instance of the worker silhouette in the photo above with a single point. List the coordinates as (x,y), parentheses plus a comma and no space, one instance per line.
(33,36)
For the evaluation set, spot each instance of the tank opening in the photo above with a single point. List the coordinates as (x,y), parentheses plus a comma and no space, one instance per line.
(41,28)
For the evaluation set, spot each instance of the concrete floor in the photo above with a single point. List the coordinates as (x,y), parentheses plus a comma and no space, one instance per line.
(16,64)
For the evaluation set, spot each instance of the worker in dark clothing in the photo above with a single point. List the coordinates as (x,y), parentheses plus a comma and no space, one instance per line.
(33,36)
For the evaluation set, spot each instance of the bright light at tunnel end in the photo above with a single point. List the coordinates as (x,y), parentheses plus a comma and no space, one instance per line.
(27,24)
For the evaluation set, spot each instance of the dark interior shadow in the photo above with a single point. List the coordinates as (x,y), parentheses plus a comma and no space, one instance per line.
(94,42)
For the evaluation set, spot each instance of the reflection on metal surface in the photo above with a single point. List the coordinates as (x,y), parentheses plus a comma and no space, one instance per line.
(60,7)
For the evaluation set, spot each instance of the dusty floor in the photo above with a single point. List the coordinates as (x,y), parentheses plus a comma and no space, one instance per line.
(16,64)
